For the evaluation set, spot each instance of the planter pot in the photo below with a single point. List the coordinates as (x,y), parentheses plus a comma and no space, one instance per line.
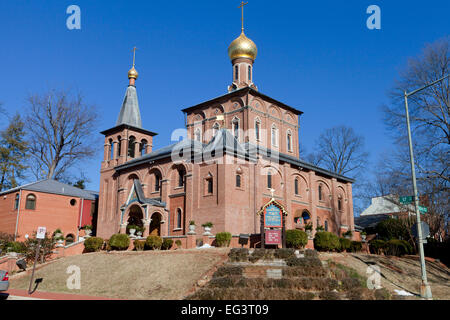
(132,231)
(191,229)
(207,231)
(87,232)
(309,233)
(363,237)
(348,237)
(139,233)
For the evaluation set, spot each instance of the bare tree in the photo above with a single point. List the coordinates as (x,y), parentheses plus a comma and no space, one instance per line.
(340,150)
(61,128)
(429,111)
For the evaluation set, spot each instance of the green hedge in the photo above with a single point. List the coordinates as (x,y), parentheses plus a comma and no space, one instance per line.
(397,247)
(326,241)
(223,239)
(139,245)
(344,244)
(356,246)
(167,244)
(377,246)
(119,241)
(392,229)
(296,239)
(93,244)
(154,242)
(16,246)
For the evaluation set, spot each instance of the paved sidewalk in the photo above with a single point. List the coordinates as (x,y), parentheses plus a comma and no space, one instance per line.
(19,294)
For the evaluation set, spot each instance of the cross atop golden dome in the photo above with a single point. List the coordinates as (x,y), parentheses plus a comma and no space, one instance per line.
(132,73)
(242,47)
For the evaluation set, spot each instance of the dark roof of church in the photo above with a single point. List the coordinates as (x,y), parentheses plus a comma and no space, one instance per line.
(129,113)
(370,220)
(224,141)
(240,92)
(55,187)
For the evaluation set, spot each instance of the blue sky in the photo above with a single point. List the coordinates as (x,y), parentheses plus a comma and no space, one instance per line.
(317,56)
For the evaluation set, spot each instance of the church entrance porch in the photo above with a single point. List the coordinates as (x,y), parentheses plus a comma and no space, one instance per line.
(135,217)
(155,224)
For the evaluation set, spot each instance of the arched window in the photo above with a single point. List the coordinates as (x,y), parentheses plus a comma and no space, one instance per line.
(235,124)
(111,149)
(274,136)
(143,147)
(157,181)
(179,218)
(269,180)
(119,146)
(198,135)
(181,174)
(320,192)
(249,73)
(131,146)
(238,180)
(236,72)
(340,204)
(16,201)
(30,202)
(257,129)
(296,186)
(289,141)
(209,181)
(318,222)
(326,225)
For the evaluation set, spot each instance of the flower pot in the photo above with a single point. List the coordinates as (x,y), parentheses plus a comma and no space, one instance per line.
(132,231)
(87,232)
(191,229)
(139,233)
(207,231)
(363,237)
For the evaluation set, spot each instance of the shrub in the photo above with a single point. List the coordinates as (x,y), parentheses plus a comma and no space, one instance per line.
(284,253)
(119,241)
(304,262)
(260,253)
(392,229)
(377,246)
(238,254)
(296,238)
(326,241)
(139,245)
(93,244)
(208,225)
(192,223)
(228,271)
(347,233)
(178,243)
(223,239)
(310,253)
(356,246)
(47,246)
(167,244)
(344,244)
(15,246)
(397,247)
(154,242)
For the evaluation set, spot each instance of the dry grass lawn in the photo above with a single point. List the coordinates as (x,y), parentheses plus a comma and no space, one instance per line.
(129,275)
(398,273)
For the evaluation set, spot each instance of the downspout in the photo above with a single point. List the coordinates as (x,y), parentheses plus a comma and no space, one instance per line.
(18,212)
(81,218)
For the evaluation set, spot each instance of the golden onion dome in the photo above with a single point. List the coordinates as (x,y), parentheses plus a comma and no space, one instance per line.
(242,47)
(132,73)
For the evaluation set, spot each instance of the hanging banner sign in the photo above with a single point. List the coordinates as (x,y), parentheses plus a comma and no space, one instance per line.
(273,217)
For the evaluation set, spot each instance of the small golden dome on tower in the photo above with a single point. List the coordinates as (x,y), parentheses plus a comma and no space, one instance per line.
(242,47)
(132,73)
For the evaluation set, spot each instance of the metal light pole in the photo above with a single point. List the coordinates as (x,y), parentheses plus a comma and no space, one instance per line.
(425,290)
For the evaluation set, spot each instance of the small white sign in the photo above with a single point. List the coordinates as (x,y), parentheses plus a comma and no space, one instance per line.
(41,233)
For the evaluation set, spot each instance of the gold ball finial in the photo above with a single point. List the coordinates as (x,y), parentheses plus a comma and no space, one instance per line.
(132,73)
(242,47)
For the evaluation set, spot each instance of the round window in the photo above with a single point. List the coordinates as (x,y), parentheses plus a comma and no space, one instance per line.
(73,202)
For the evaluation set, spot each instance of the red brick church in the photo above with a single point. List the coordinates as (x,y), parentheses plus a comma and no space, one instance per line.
(240,148)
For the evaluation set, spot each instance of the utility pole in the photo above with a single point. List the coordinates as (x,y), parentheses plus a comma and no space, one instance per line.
(425,290)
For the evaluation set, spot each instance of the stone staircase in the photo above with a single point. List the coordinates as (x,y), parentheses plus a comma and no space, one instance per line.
(283,274)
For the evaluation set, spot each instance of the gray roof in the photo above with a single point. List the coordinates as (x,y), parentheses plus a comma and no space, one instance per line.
(225,141)
(129,113)
(370,221)
(55,187)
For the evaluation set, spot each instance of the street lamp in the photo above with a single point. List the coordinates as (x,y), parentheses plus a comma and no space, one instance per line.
(425,290)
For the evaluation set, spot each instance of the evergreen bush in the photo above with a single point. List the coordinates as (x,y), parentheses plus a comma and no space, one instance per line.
(356,246)
(93,244)
(154,242)
(326,241)
(223,239)
(296,239)
(395,247)
(377,246)
(166,244)
(344,244)
(119,241)
(139,245)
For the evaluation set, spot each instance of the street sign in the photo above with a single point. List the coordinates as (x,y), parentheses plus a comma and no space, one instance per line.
(41,233)
(425,229)
(406,199)
(423,209)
